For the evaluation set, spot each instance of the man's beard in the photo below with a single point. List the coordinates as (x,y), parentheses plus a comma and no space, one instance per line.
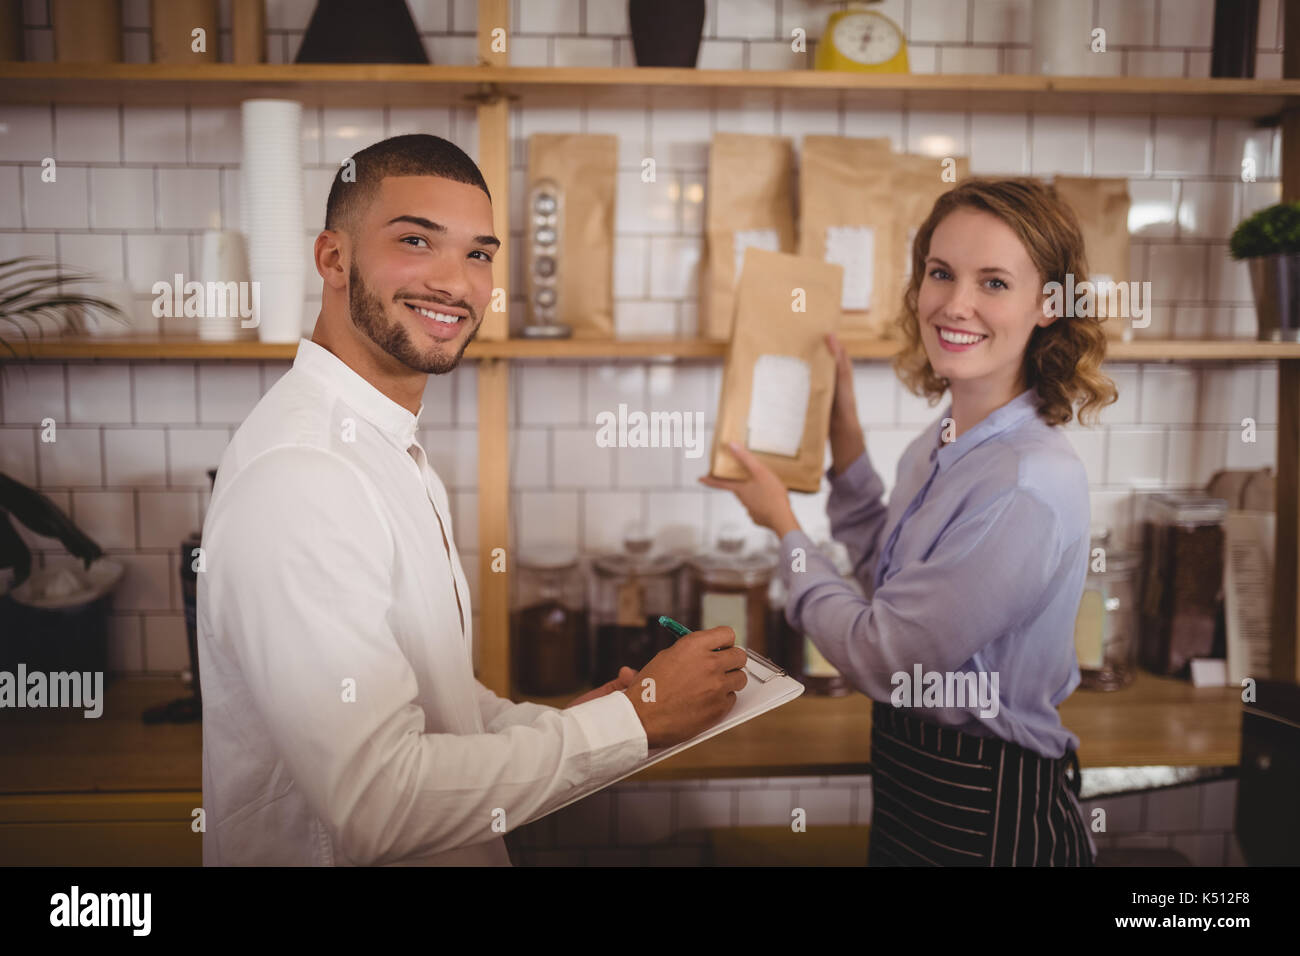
(368,315)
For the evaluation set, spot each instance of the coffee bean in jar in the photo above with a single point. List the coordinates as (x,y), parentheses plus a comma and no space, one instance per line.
(629,590)
(548,627)
(1182,581)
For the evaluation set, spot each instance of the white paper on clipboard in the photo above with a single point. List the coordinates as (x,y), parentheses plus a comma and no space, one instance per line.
(753,700)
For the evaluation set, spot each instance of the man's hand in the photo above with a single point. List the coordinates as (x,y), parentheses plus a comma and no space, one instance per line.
(693,686)
(763,493)
(621,682)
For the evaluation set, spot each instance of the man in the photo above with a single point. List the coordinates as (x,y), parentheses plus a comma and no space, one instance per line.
(342,720)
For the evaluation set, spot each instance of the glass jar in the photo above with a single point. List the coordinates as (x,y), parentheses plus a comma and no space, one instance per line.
(1182,581)
(629,590)
(729,587)
(1105,629)
(548,626)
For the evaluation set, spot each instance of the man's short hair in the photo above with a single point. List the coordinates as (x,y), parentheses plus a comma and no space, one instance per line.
(414,154)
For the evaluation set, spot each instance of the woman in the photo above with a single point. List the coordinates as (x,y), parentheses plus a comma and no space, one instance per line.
(974,570)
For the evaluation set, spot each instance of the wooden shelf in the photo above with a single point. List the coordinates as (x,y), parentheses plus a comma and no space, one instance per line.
(149,84)
(181,348)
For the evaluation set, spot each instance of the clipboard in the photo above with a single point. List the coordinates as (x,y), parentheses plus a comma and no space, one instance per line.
(767,687)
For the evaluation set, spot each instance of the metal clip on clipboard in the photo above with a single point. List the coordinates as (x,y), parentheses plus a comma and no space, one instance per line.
(766,669)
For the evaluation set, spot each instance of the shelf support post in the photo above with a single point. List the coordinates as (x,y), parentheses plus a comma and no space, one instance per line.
(494,374)
(1286,575)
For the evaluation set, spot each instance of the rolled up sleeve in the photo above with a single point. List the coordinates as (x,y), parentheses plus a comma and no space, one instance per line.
(987,575)
(300,589)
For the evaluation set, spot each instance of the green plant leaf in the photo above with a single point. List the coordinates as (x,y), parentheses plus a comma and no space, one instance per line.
(1269,232)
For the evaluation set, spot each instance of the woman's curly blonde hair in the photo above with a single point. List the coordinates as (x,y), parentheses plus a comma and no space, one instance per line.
(1062,360)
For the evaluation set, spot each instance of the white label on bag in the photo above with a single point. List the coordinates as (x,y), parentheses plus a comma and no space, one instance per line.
(854,248)
(742,239)
(778,404)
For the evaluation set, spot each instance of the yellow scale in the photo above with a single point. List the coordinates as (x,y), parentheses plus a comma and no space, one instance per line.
(862,41)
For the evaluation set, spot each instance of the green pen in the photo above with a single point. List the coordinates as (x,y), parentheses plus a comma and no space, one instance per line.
(762,676)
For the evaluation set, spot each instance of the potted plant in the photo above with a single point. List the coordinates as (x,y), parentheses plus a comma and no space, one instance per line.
(1269,241)
(34,299)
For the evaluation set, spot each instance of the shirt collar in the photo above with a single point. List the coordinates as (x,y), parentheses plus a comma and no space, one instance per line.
(1000,420)
(358,394)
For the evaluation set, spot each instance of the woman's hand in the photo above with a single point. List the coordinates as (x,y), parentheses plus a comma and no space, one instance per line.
(847,444)
(763,494)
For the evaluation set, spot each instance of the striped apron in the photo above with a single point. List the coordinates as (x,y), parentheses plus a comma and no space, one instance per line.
(946,798)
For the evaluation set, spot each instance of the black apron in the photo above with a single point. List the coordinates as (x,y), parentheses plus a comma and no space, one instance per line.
(945,798)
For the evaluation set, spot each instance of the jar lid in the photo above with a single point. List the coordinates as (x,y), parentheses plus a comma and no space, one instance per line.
(637,557)
(1187,509)
(616,565)
(728,565)
(549,557)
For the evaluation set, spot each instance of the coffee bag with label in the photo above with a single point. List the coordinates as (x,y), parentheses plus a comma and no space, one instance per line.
(1102,206)
(846,217)
(750,203)
(779,375)
(583,170)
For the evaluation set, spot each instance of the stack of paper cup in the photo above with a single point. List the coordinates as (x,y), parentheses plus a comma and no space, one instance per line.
(224,275)
(271,206)
(1061,39)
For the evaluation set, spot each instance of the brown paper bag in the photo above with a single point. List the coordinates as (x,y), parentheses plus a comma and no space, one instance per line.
(785,306)
(846,216)
(584,167)
(750,203)
(1102,207)
(919,181)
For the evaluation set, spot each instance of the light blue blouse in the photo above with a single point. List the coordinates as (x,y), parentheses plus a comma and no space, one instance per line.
(977,564)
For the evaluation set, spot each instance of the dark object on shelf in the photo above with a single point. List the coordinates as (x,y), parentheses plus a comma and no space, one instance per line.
(37,513)
(549,641)
(1267,826)
(1182,588)
(55,640)
(666,32)
(361,31)
(618,645)
(11,30)
(1236,25)
(186,710)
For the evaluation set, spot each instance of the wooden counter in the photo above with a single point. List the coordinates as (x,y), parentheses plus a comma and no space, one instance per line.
(1154,722)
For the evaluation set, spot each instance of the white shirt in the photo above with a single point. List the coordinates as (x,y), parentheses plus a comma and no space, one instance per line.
(342,722)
